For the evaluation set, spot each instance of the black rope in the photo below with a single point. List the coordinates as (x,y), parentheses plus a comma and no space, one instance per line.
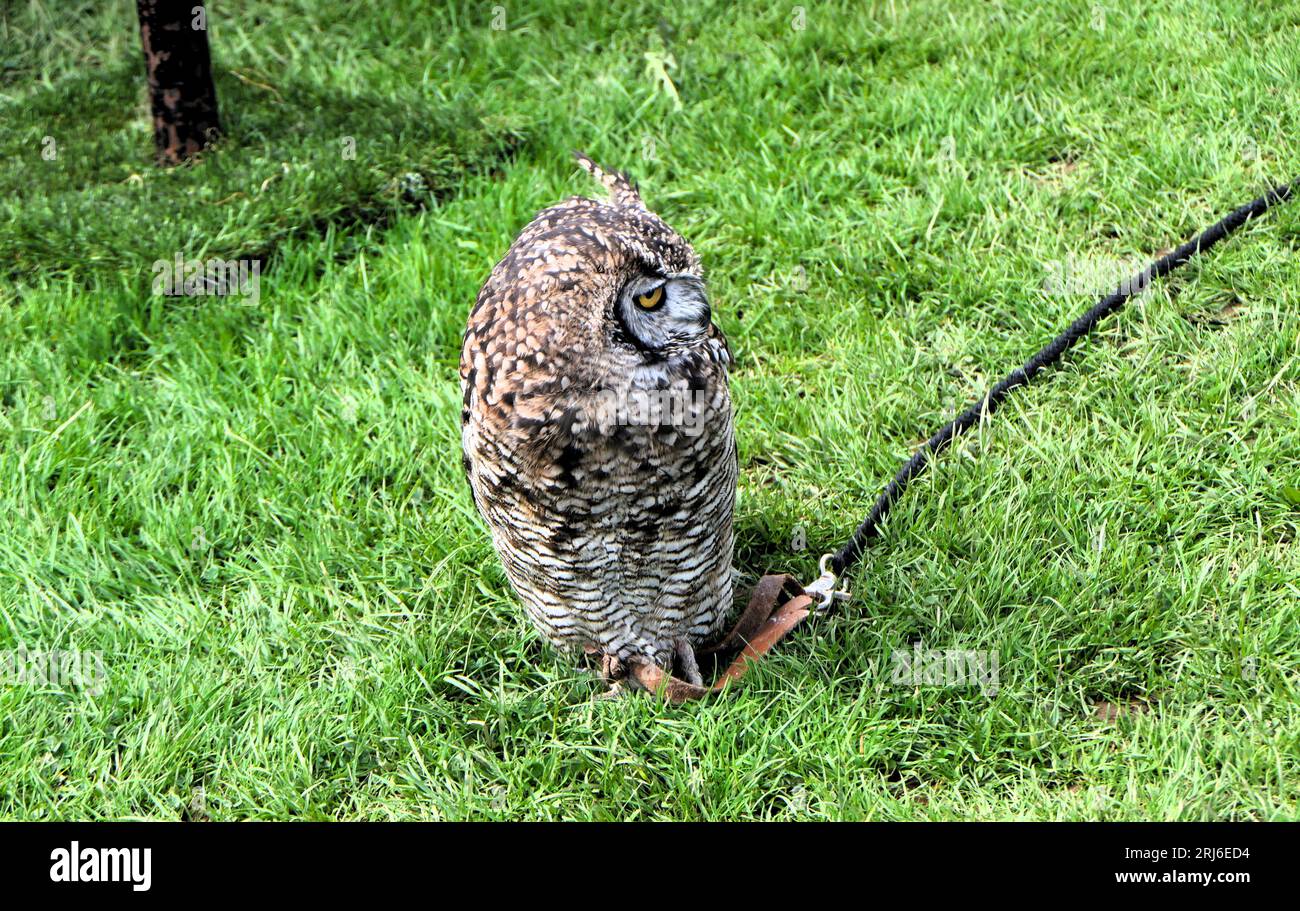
(849,554)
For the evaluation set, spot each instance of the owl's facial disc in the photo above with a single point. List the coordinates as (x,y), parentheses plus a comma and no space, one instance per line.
(664,314)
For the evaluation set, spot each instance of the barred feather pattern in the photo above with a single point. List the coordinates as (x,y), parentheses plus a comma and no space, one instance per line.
(598,439)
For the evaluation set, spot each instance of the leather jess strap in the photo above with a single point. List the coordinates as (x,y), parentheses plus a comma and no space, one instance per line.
(777,605)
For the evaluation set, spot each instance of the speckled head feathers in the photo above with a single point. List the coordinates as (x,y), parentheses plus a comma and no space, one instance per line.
(589,284)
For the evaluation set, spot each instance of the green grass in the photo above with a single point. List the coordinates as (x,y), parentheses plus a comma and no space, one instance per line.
(256,511)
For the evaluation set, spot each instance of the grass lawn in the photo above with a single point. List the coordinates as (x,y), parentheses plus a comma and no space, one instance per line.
(254,507)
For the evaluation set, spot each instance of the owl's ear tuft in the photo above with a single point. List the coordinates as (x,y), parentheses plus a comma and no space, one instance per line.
(622,192)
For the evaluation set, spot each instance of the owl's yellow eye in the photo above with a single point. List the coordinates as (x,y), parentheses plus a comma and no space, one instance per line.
(652,299)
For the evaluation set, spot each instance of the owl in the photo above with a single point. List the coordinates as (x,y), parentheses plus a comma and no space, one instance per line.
(597,432)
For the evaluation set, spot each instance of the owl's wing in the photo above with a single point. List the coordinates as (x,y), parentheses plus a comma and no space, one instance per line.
(469,470)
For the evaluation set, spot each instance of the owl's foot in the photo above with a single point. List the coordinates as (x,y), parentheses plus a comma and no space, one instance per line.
(687,667)
(616,691)
(612,670)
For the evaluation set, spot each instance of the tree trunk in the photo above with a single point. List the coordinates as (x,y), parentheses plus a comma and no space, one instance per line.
(184,102)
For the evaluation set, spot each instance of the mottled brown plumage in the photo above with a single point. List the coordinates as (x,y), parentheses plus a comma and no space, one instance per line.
(597,430)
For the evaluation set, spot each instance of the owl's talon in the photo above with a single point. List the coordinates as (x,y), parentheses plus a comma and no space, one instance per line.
(612,669)
(686,663)
(616,690)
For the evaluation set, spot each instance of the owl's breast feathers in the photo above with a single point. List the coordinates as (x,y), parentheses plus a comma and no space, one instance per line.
(550,430)
(545,419)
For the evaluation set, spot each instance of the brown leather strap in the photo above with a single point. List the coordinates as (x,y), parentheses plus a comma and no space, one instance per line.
(777,606)
(768,594)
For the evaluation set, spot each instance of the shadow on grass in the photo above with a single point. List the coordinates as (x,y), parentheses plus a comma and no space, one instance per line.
(81,195)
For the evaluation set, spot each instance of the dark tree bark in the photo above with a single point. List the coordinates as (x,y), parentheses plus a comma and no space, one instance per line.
(184,102)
